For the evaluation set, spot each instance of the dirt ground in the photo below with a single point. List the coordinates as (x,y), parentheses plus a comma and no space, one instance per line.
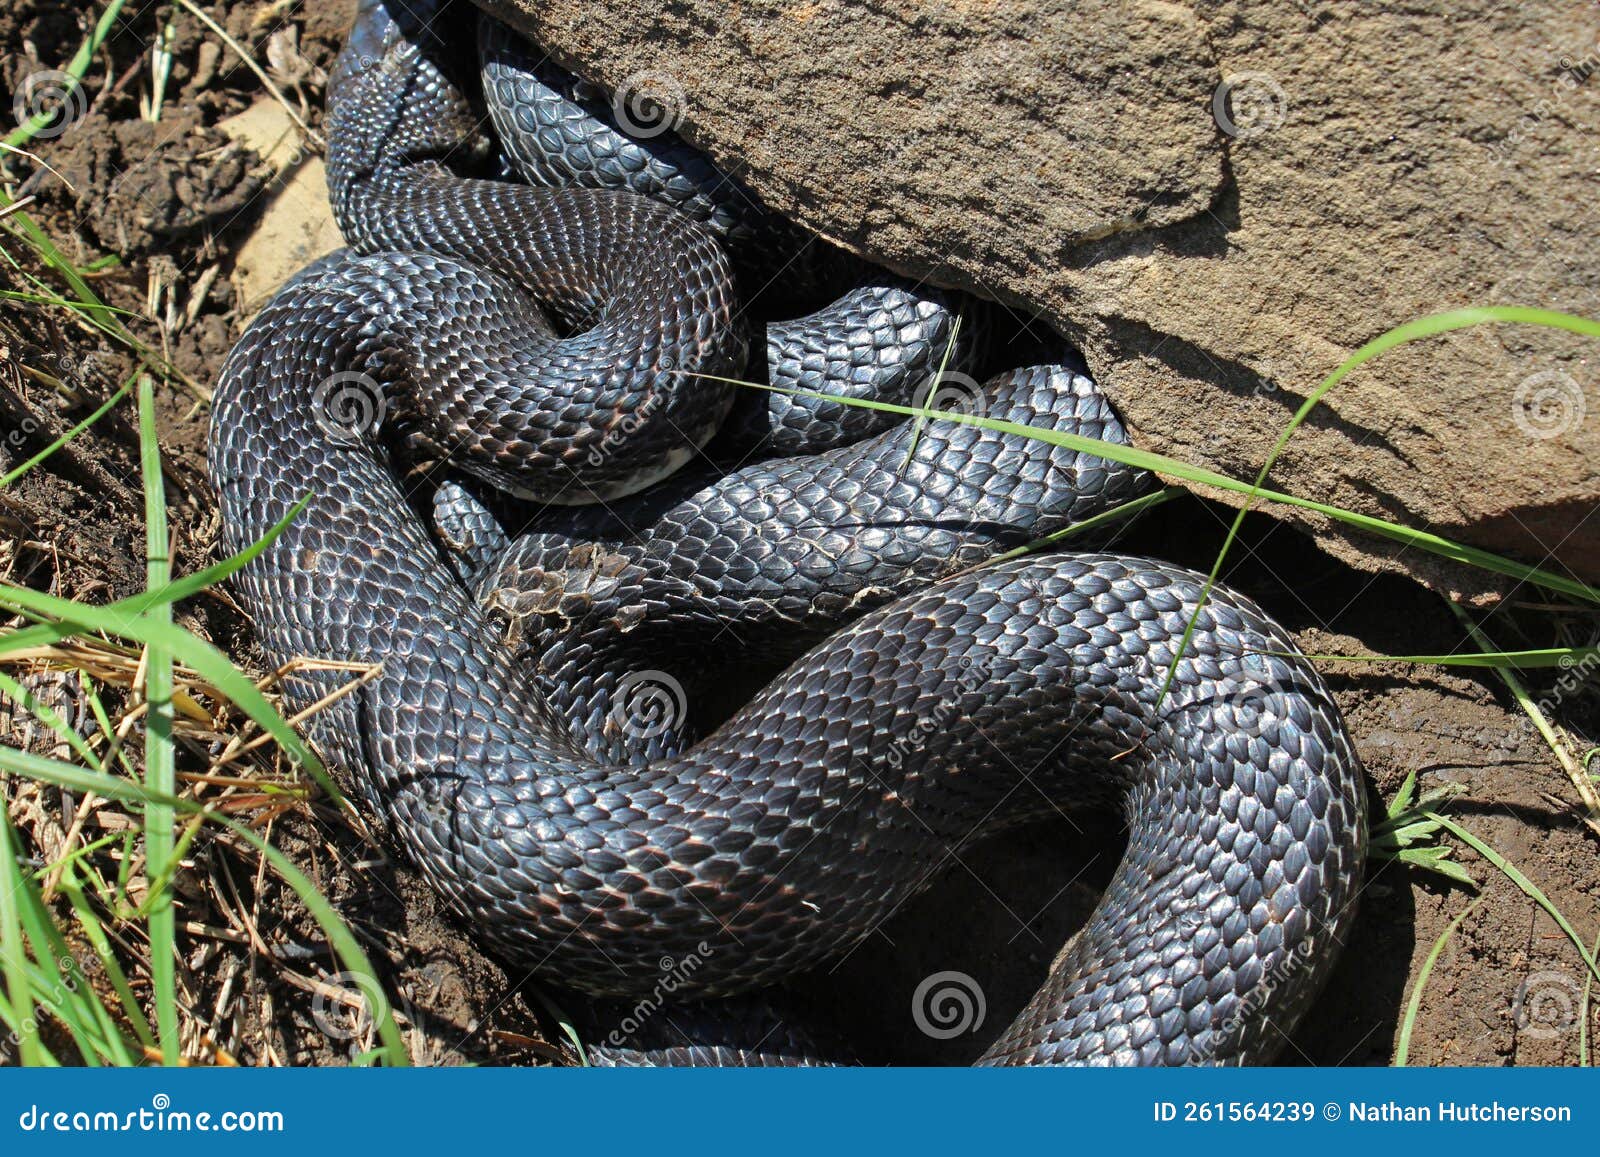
(175,199)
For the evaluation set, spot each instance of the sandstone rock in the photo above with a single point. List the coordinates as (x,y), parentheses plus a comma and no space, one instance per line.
(297,225)
(1218,201)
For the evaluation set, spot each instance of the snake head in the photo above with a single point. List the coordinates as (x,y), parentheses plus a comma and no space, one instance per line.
(535,588)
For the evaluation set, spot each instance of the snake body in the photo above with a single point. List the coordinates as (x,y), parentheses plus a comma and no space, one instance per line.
(548,341)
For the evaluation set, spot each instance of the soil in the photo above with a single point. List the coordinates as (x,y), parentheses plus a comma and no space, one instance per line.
(173,200)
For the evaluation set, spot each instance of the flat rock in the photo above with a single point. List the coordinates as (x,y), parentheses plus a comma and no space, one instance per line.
(297,225)
(1219,202)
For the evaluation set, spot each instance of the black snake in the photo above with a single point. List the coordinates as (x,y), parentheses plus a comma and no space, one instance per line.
(527,740)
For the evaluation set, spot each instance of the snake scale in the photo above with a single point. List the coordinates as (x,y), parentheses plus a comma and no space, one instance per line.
(557,337)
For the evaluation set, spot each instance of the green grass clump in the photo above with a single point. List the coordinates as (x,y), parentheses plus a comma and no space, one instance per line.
(42,975)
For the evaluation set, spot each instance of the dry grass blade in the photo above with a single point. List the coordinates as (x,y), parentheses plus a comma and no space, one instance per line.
(251,63)
(1580,781)
(238,746)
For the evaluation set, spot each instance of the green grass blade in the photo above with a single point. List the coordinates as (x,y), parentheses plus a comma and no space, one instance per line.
(926,409)
(1562,657)
(200,656)
(45,634)
(98,313)
(1585,1011)
(94,311)
(1401,833)
(76,68)
(210,576)
(49,717)
(65,990)
(1116,514)
(62,302)
(1404,798)
(19,989)
(160,767)
(1529,888)
(1581,783)
(104,408)
(343,942)
(564,1023)
(1402,1052)
(94,931)
(1160,464)
(38,635)
(1425,327)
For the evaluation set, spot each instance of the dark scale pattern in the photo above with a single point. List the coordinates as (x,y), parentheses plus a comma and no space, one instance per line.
(648,315)
(883,339)
(783,837)
(780,553)
(558,131)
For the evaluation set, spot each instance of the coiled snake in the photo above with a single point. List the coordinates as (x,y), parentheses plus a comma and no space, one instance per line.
(526,741)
